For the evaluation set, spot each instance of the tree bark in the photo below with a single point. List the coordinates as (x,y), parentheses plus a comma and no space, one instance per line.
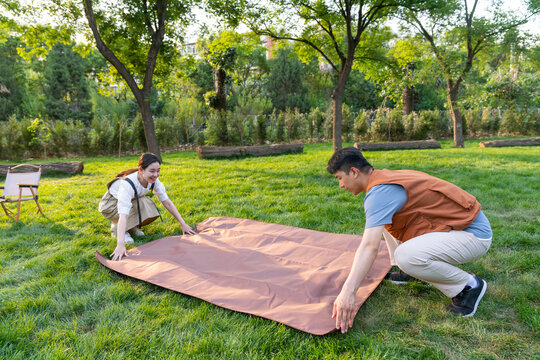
(452,92)
(337,100)
(148,124)
(205,152)
(219,85)
(408,100)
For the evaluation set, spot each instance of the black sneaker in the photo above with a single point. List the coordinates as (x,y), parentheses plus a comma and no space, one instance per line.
(466,302)
(399,277)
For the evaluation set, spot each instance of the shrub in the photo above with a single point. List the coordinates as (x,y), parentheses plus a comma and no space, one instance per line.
(388,126)
(216,132)
(294,121)
(347,123)
(512,123)
(361,126)
(280,127)
(438,123)
(490,121)
(260,135)
(474,122)
(532,122)
(101,136)
(315,121)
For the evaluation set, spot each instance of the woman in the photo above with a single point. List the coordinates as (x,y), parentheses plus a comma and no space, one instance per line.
(128,207)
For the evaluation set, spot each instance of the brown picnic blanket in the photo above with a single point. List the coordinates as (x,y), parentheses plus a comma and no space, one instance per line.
(283,273)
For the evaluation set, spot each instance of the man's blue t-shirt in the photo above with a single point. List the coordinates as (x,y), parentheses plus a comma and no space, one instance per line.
(383,201)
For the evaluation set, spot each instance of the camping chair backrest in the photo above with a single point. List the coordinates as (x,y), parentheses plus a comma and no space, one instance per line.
(13,179)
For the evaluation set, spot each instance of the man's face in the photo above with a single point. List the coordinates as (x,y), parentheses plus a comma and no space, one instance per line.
(351,182)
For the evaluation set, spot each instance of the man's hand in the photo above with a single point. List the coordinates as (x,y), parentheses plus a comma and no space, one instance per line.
(344,310)
(119,252)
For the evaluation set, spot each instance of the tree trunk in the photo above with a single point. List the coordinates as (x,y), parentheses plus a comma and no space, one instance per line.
(219,85)
(148,124)
(337,101)
(456,115)
(408,100)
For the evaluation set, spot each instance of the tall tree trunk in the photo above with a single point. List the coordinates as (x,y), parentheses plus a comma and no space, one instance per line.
(452,92)
(219,85)
(148,124)
(407,98)
(337,101)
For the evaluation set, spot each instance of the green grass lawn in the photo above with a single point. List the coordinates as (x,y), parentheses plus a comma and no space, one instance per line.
(57,301)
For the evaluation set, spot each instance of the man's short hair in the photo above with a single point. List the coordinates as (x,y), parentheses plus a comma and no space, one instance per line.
(345,159)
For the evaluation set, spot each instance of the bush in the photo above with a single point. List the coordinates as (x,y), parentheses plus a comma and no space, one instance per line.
(216,132)
(260,135)
(512,123)
(438,123)
(473,120)
(101,136)
(388,126)
(490,121)
(294,121)
(532,122)
(280,127)
(361,126)
(315,121)
(347,123)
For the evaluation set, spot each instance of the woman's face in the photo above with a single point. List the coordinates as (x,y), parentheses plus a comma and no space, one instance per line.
(151,173)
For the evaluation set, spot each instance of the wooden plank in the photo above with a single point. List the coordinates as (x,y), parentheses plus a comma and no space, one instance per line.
(512,142)
(205,152)
(420,144)
(68,167)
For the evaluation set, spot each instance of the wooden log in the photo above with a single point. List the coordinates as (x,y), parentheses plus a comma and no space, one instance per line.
(511,142)
(420,144)
(205,152)
(68,167)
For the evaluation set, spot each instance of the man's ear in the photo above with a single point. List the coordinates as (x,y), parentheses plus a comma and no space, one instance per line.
(355,172)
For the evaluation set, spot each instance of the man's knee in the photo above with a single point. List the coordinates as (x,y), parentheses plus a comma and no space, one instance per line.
(406,258)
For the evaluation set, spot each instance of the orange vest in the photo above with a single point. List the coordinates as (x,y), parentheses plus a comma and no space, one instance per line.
(432,204)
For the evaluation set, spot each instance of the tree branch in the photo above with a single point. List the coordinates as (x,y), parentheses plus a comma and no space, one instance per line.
(108,53)
(273,35)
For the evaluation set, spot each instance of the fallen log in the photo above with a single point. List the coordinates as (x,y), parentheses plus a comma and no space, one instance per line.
(205,152)
(512,142)
(420,144)
(68,167)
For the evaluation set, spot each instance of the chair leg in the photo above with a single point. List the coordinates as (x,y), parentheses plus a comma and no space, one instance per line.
(19,204)
(36,200)
(8,212)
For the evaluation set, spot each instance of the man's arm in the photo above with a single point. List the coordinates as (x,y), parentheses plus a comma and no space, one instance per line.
(364,257)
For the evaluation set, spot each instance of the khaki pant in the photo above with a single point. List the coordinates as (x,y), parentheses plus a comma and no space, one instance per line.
(433,257)
(108,207)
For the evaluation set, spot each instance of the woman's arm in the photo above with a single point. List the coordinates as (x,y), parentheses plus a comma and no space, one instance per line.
(120,237)
(174,212)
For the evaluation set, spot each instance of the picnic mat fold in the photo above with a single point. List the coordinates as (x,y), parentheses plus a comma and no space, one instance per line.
(283,273)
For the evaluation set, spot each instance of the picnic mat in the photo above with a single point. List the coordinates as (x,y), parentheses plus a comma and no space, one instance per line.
(283,273)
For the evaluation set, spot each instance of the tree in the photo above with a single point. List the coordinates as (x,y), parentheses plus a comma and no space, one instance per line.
(456,35)
(12,79)
(285,83)
(132,35)
(334,30)
(66,88)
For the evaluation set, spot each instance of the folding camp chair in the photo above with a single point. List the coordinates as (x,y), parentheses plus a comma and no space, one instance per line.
(19,187)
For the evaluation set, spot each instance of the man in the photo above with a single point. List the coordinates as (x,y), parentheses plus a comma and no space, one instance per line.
(429,225)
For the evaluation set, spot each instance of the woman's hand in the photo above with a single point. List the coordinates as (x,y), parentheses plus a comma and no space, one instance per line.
(119,252)
(187,230)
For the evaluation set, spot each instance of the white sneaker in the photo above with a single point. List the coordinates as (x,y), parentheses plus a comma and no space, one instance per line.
(136,232)
(113,229)
(128,239)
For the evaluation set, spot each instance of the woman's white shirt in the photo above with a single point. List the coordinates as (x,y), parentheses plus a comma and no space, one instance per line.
(123,191)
